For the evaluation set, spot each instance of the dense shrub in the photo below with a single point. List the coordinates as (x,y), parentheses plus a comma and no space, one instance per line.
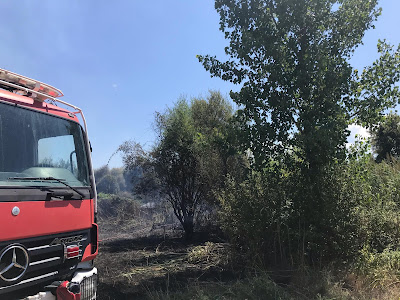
(278,217)
(376,188)
(255,215)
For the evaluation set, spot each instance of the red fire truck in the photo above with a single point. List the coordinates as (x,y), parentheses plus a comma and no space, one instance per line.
(48,230)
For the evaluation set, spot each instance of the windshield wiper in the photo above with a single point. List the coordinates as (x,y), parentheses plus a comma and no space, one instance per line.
(49,179)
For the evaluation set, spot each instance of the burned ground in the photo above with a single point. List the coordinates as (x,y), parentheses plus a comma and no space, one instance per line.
(135,262)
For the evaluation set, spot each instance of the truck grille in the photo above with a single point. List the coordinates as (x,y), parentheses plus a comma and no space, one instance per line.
(89,288)
(47,259)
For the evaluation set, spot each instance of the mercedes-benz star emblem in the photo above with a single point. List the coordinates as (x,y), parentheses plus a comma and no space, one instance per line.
(14,261)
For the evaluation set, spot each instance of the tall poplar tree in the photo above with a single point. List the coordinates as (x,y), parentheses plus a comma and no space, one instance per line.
(299,91)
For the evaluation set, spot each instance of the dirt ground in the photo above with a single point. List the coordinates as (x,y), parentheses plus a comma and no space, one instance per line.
(136,261)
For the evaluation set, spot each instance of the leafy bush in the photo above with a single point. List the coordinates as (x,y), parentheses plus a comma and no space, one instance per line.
(274,217)
(255,215)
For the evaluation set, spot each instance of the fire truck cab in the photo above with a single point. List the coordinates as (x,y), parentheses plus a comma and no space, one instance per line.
(48,230)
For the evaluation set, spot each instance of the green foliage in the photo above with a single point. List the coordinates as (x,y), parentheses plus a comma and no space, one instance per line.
(374,189)
(386,138)
(375,89)
(194,152)
(306,199)
(176,163)
(254,214)
(299,91)
(191,156)
(377,263)
(264,218)
(359,209)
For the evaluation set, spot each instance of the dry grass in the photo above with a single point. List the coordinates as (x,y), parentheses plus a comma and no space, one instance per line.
(258,288)
(134,261)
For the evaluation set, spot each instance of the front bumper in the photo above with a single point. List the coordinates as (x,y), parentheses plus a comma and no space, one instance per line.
(83,286)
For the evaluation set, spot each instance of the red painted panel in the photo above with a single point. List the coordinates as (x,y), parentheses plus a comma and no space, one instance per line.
(87,254)
(38,218)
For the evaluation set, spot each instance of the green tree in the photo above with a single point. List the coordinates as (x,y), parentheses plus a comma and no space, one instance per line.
(386,138)
(191,157)
(299,93)
(299,90)
(110,181)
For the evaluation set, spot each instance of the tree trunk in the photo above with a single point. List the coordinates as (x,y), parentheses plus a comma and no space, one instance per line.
(188,226)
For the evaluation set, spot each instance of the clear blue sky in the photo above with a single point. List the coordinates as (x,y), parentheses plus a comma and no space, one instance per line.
(121,61)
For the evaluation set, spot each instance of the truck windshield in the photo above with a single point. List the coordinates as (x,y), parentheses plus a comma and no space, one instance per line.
(37,145)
